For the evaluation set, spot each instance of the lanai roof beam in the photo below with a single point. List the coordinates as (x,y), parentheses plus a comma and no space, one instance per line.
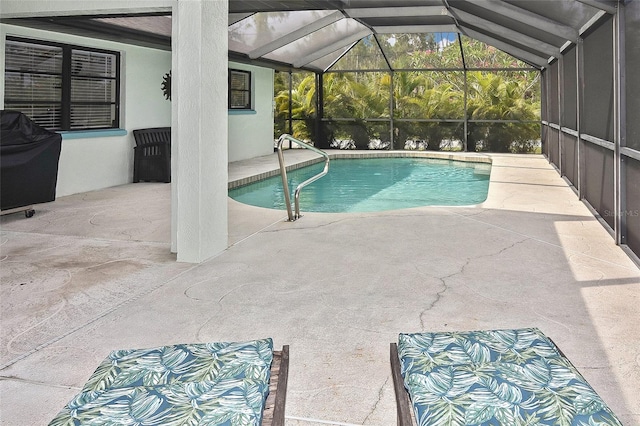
(530,42)
(399,29)
(332,48)
(521,54)
(396,12)
(526,17)
(607,6)
(295,35)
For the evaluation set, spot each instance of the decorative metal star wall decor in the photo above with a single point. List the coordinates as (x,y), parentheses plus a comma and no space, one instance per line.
(166,85)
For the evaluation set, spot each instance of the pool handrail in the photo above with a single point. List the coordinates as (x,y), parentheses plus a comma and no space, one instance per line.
(283,174)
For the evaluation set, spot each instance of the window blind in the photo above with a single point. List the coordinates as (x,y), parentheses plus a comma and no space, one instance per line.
(62,87)
(33,81)
(239,89)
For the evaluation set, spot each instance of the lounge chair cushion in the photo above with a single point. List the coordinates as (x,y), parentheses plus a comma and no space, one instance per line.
(204,384)
(496,377)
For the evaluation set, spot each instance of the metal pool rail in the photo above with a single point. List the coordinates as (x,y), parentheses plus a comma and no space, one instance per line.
(283,173)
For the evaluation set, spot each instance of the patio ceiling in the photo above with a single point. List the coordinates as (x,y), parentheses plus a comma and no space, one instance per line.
(315,34)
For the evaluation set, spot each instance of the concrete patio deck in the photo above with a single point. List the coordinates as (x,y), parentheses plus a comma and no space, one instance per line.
(92,272)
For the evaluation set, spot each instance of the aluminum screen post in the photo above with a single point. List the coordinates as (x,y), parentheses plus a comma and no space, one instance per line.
(620,139)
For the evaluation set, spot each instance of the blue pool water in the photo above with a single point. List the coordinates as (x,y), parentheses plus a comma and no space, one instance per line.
(375,184)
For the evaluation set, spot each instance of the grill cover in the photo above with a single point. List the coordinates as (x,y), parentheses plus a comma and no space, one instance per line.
(29,158)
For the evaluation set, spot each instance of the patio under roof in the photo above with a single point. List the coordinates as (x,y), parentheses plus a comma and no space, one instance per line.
(584,49)
(315,34)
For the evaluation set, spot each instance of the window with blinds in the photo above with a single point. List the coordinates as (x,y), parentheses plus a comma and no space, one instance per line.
(62,87)
(239,89)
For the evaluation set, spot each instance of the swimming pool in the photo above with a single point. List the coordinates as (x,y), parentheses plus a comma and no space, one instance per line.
(375,184)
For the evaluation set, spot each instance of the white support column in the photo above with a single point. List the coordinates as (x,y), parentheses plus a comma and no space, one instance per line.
(199,129)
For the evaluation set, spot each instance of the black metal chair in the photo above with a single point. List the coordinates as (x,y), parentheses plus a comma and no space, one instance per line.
(152,155)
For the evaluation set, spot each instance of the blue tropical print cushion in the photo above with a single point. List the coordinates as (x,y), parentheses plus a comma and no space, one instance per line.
(191,384)
(496,377)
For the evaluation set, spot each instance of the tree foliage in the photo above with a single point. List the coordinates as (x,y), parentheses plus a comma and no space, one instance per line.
(427,106)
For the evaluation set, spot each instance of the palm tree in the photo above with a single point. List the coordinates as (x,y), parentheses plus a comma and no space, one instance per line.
(491,97)
(345,97)
(303,109)
(362,96)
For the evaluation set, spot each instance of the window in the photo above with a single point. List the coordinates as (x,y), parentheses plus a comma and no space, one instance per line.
(239,89)
(62,87)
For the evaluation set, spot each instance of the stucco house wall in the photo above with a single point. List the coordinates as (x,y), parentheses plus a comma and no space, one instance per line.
(251,132)
(97,161)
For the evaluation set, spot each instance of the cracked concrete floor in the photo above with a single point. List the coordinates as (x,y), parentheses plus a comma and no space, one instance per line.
(92,272)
